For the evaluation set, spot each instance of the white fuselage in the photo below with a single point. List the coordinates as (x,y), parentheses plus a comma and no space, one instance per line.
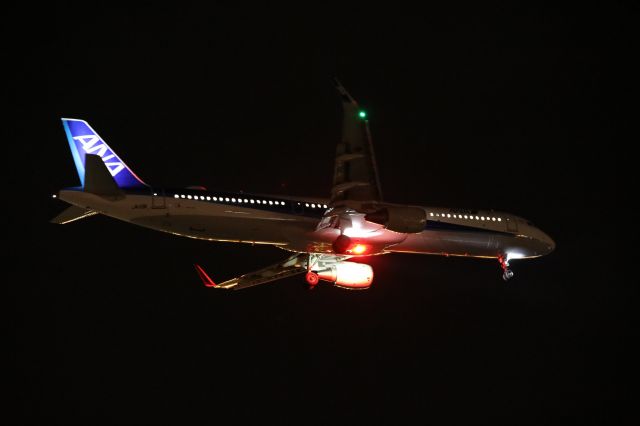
(290,223)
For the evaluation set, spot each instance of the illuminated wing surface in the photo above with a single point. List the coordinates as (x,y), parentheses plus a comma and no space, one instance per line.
(293,265)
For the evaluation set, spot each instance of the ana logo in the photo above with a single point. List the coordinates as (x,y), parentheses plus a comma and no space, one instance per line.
(93,145)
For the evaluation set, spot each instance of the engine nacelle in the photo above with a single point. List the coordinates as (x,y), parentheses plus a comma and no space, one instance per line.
(351,275)
(407,220)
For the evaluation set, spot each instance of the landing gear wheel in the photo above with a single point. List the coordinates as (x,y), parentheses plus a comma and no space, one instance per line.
(507,275)
(312,279)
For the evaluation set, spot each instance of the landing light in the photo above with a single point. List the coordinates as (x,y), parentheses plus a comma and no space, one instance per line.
(514,255)
(359,249)
(54,196)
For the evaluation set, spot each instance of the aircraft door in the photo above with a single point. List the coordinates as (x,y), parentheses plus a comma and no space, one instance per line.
(158,199)
(512,225)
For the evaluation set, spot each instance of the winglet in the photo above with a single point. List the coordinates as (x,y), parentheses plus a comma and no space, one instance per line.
(204,277)
(346,97)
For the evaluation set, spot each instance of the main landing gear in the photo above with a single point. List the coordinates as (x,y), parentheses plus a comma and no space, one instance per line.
(312,279)
(507,273)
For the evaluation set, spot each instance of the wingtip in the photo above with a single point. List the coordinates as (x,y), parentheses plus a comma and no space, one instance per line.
(346,97)
(207,281)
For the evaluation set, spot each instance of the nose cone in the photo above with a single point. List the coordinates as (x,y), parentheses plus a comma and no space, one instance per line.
(548,242)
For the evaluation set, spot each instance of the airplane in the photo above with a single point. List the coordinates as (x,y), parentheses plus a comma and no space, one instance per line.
(323,235)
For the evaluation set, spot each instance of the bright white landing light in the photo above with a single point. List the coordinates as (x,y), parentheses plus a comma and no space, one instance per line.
(514,255)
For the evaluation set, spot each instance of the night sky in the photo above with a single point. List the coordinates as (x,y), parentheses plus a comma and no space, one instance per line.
(496,107)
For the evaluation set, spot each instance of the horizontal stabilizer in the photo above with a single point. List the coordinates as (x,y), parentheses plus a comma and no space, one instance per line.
(72,214)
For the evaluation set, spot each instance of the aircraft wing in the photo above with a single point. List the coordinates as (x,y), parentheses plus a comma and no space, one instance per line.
(293,265)
(355,175)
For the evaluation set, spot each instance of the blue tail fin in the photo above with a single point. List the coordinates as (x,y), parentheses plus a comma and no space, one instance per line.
(84,140)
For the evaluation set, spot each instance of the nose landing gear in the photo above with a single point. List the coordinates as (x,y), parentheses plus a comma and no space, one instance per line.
(507,273)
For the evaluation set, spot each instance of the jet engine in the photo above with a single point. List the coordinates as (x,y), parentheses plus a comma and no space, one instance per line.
(351,275)
(407,220)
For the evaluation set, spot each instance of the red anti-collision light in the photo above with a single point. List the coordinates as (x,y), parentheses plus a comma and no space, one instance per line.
(359,249)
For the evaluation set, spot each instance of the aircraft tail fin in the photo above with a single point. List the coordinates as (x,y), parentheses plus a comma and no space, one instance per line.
(71,214)
(97,179)
(83,140)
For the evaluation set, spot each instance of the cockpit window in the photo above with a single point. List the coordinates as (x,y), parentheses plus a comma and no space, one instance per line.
(529,223)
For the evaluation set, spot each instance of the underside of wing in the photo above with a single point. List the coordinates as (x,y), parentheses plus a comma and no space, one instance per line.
(355,175)
(293,265)
(318,267)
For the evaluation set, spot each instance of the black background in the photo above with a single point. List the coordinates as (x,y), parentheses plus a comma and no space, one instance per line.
(496,106)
